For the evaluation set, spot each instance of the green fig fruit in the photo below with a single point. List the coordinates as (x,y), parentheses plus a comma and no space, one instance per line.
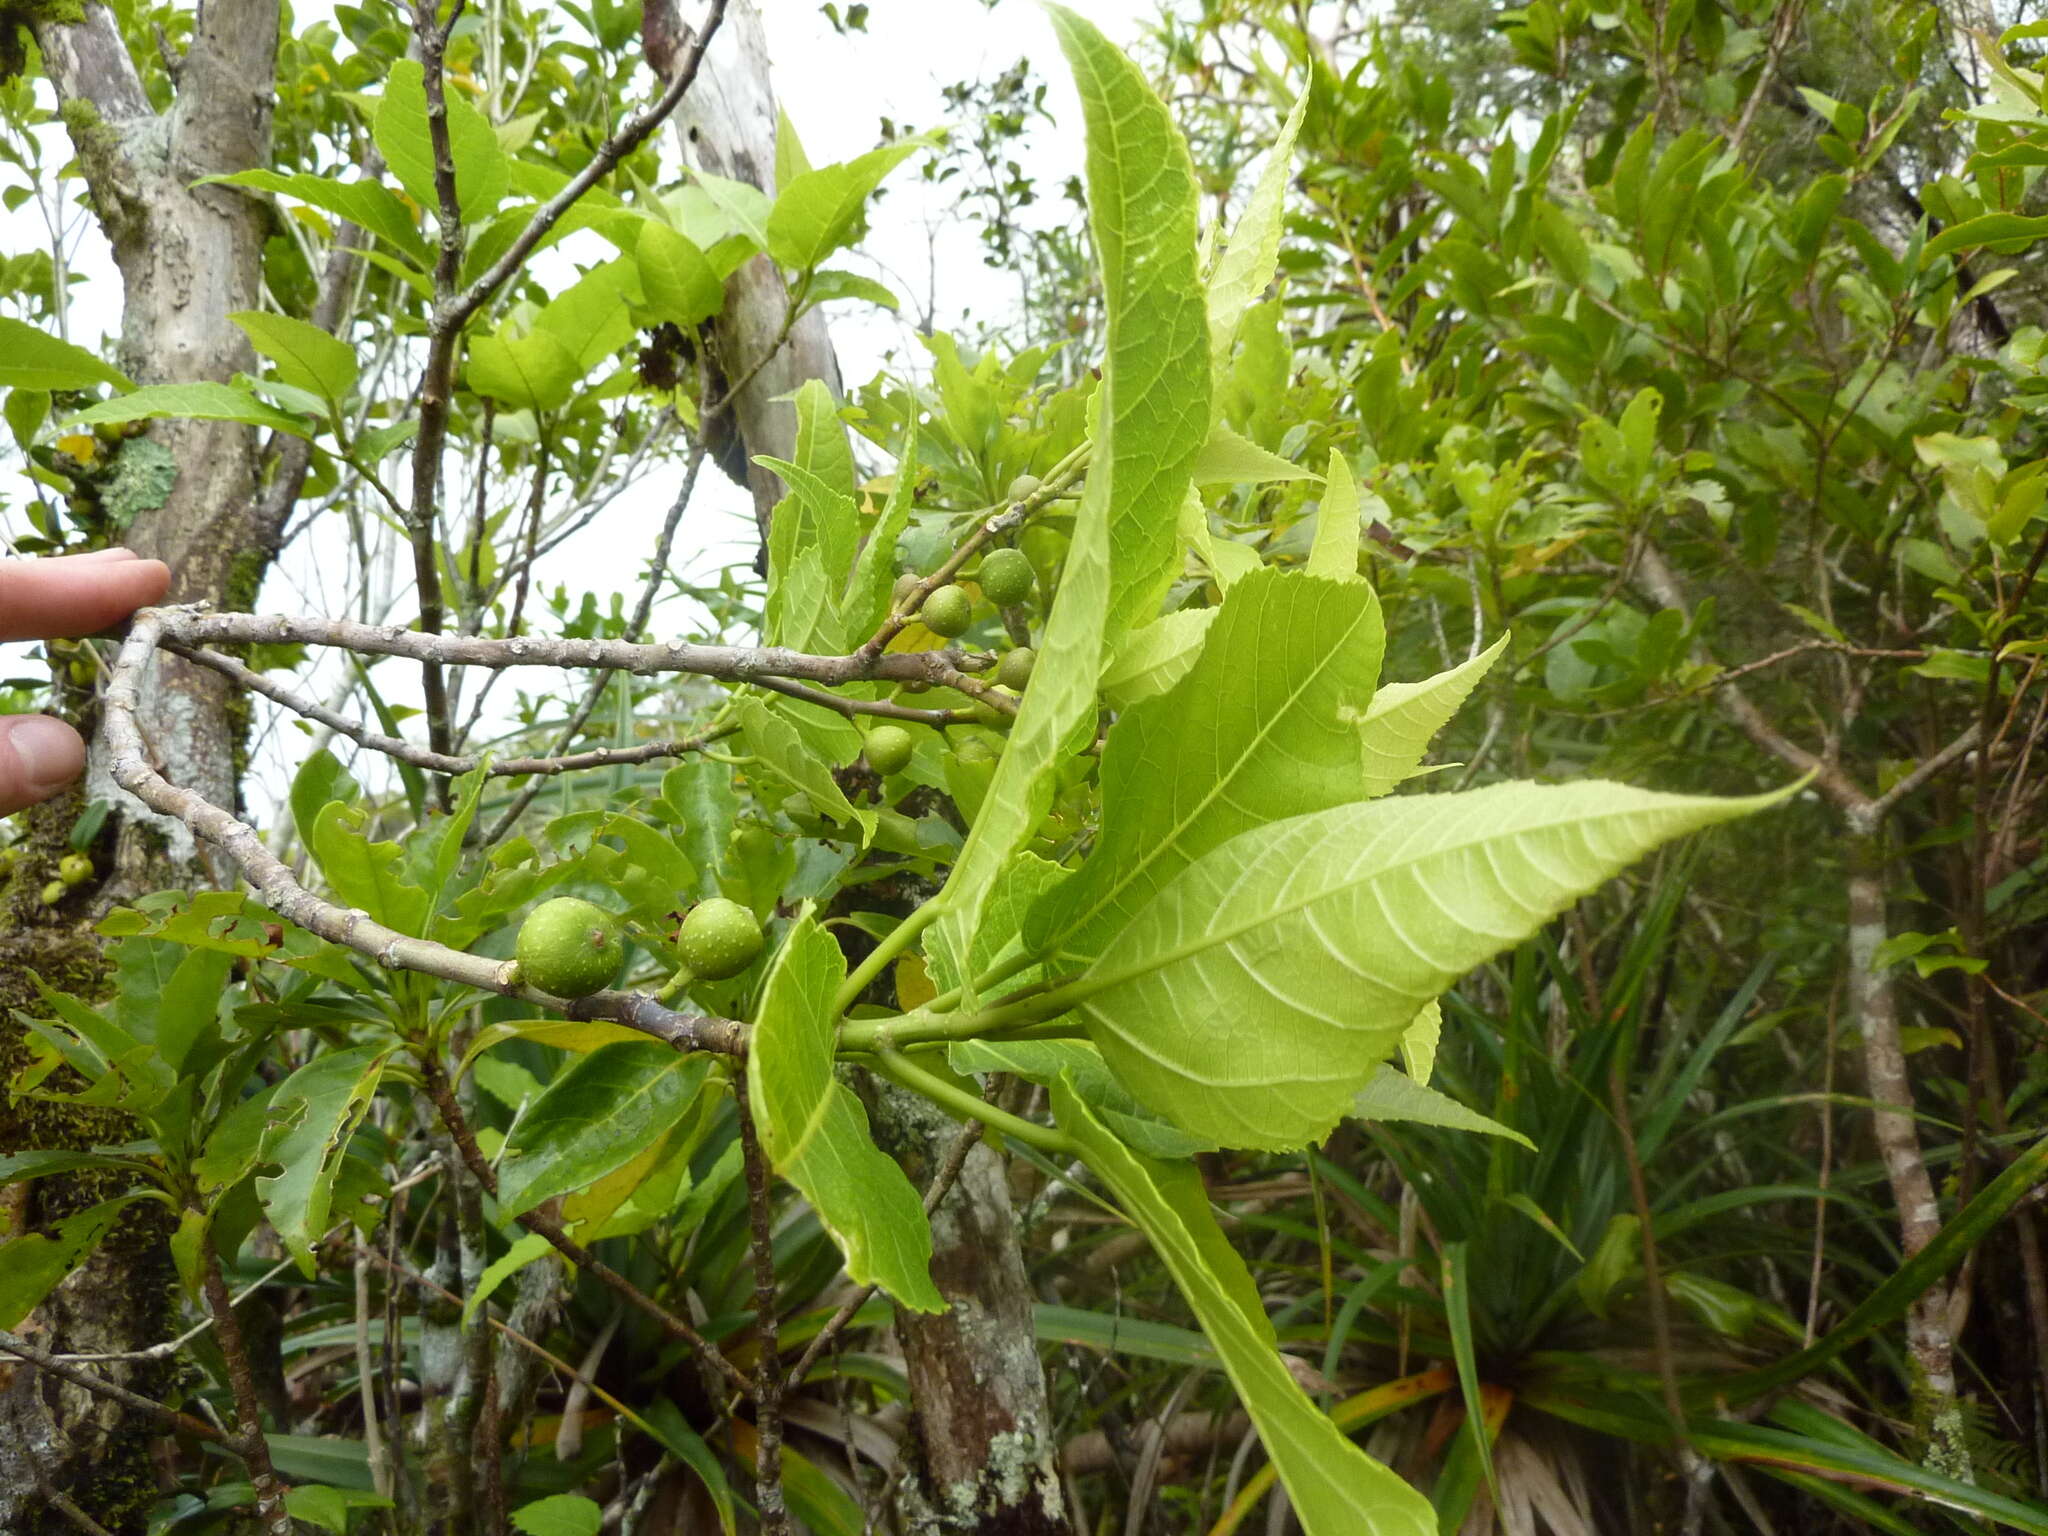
(1014,670)
(1024,486)
(74,869)
(1006,577)
(889,748)
(719,939)
(569,947)
(948,611)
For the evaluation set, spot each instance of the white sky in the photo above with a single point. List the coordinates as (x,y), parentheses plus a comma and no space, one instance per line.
(836,89)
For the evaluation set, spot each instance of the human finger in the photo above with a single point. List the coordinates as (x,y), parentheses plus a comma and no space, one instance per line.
(76,594)
(38,757)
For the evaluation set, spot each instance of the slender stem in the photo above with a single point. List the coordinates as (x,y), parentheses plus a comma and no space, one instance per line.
(924,1027)
(768,1375)
(900,1069)
(99,1386)
(250,1444)
(893,944)
(452,1120)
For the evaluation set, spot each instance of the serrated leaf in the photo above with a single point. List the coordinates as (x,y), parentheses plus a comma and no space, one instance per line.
(602,1111)
(1335,1488)
(816,1133)
(33,1265)
(312,1115)
(367,875)
(1392,1095)
(561,1514)
(1335,551)
(1155,387)
(1254,733)
(369,205)
(818,211)
(1228,459)
(32,359)
(1253,997)
(400,129)
(305,356)
(779,748)
(1404,718)
(203,401)
(681,284)
(1155,656)
(1247,262)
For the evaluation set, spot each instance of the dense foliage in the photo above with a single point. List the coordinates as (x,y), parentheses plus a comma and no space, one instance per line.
(634,1120)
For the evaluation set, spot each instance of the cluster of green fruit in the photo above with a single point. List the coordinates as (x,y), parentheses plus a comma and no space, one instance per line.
(569,947)
(72,869)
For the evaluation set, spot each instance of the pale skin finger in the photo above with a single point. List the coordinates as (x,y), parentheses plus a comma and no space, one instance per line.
(43,599)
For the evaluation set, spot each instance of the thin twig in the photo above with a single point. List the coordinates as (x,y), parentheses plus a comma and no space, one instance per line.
(452,1120)
(170,1418)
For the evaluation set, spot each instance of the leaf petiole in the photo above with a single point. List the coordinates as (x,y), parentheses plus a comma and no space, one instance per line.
(904,1072)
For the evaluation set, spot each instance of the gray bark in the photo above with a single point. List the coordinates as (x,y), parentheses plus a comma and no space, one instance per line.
(726,126)
(187,256)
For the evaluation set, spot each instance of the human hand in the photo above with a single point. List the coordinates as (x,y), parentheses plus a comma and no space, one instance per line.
(66,596)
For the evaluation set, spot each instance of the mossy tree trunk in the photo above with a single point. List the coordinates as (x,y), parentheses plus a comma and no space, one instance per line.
(188,256)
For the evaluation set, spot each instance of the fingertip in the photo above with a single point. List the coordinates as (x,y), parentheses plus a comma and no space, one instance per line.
(38,757)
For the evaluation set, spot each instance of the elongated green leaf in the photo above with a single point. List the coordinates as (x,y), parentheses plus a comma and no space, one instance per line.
(782,752)
(33,1265)
(2007,231)
(1247,262)
(1121,1335)
(1335,551)
(1253,997)
(1228,459)
(1254,733)
(203,401)
(666,1423)
(874,572)
(1336,1489)
(600,1113)
(812,520)
(816,1132)
(561,1514)
(400,128)
(682,286)
(1155,410)
(369,205)
(789,1057)
(188,1008)
(41,1164)
(818,211)
(1155,656)
(1958,1235)
(367,875)
(305,356)
(1404,717)
(34,359)
(1392,1095)
(530,1246)
(312,1115)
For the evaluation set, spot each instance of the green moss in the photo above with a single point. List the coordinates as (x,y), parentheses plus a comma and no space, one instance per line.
(144,473)
(15,20)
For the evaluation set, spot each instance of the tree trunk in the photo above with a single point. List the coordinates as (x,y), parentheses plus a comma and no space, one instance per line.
(727,127)
(985,1454)
(188,257)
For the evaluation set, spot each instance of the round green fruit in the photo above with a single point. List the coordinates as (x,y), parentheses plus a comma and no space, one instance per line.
(987,714)
(1024,486)
(569,947)
(1014,670)
(55,892)
(948,611)
(1006,577)
(74,869)
(905,585)
(889,748)
(719,939)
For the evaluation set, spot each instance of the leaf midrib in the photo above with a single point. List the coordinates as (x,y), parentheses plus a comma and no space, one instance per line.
(1223,782)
